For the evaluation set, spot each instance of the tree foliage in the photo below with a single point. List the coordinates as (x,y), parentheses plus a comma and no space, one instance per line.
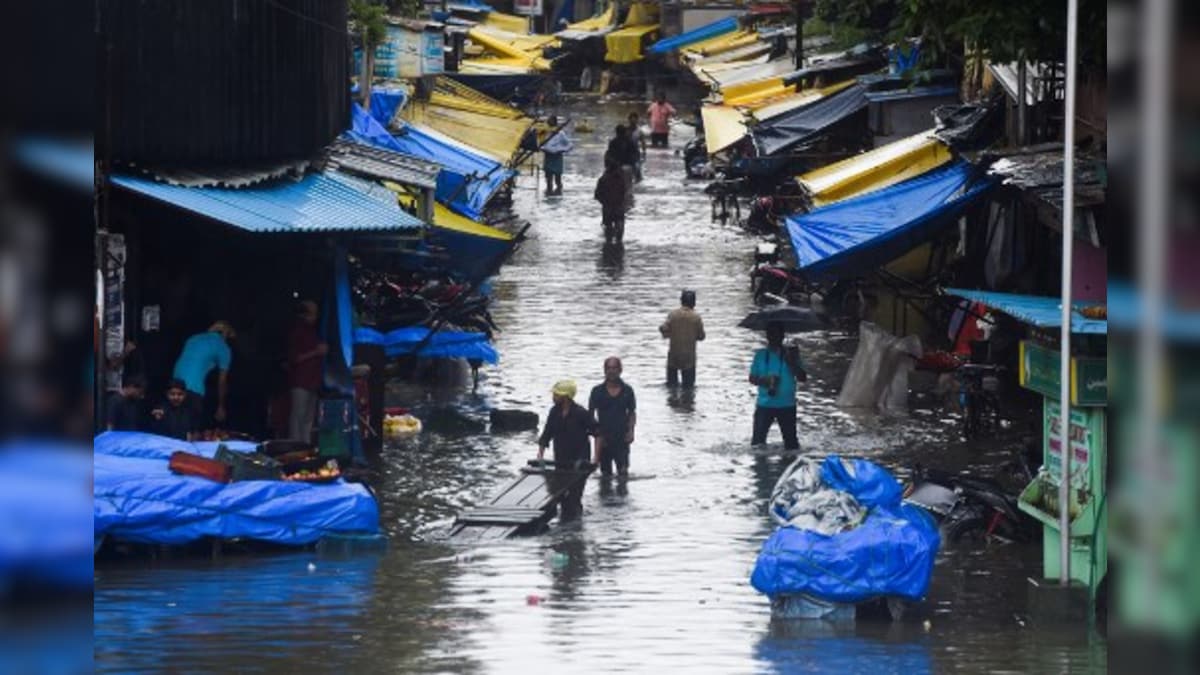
(367,20)
(1002,29)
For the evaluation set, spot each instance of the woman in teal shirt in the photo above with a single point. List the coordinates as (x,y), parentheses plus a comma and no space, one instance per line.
(776,370)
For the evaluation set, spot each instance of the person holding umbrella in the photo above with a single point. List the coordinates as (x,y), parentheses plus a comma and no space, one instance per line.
(775,370)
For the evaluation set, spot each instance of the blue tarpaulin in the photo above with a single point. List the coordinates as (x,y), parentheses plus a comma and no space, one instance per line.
(385,101)
(1035,310)
(445,344)
(691,37)
(44,530)
(854,236)
(318,202)
(137,498)
(891,553)
(482,176)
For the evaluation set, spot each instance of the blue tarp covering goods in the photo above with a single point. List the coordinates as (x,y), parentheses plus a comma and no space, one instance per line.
(804,123)
(445,344)
(890,553)
(137,498)
(482,176)
(854,236)
(691,37)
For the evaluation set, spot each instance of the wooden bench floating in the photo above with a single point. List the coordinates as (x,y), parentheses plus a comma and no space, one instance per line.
(524,506)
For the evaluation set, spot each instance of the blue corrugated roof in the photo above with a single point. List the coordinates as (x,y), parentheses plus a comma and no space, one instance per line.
(319,202)
(705,32)
(1036,310)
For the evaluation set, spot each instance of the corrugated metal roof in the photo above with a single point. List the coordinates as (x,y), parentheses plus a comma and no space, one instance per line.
(316,203)
(237,177)
(382,164)
(1036,310)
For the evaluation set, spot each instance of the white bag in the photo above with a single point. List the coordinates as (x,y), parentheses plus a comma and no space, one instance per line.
(878,376)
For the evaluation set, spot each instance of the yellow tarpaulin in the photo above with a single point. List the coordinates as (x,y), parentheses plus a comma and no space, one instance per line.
(598,22)
(753,92)
(453,94)
(507,48)
(723,127)
(508,22)
(625,45)
(444,217)
(766,109)
(641,14)
(699,49)
(496,67)
(879,168)
(725,43)
(497,137)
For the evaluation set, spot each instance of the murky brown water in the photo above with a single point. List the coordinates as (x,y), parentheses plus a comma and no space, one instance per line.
(656,576)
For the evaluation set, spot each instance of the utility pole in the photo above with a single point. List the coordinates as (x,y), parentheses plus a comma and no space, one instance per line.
(799,34)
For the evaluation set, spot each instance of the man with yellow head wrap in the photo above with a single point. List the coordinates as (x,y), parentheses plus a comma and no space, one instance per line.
(569,426)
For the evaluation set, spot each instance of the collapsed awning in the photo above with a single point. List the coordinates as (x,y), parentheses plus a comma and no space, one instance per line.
(705,32)
(855,236)
(625,45)
(1035,310)
(722,127)
(319,202)
(879,168)
(468,180)
(595,26)
(794,127)
(726,74)
(497,137)
(445,344)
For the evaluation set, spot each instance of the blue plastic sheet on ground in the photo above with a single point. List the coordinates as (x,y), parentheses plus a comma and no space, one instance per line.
(891,553)
(445,344)
(854,236)
(482,176)
(136,498)
(45,535)
(691,37)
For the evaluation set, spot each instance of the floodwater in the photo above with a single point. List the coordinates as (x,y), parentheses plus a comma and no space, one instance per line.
(656,575)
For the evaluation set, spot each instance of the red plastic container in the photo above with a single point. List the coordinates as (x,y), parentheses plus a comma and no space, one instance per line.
(187,464)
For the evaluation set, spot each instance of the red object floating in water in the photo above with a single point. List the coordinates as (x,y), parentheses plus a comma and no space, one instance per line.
(533,600)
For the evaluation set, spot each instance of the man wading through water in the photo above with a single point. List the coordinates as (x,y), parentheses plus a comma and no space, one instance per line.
(569,425)
(684,329)
(776,370)
(615,408)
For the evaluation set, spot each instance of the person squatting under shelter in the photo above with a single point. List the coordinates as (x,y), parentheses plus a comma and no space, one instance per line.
(569,426)
(775,370)
(615,407)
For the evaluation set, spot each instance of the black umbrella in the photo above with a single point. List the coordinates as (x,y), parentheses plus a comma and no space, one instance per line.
(793,319)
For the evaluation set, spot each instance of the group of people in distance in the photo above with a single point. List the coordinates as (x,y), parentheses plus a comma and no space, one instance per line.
(622,163)
(611,415)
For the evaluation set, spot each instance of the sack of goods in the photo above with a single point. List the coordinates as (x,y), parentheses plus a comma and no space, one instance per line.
(844,535)
(401,425)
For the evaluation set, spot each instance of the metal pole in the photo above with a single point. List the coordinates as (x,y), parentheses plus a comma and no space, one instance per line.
(1022,102)
(1154,187)
(1068,236)
(799,35)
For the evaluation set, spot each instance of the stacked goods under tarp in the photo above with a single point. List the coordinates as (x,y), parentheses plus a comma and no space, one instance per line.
(640,29)
(874,170)
(844,536)
(137,498)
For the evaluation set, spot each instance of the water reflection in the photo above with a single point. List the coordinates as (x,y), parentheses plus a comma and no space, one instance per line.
(612,260)
(841,647)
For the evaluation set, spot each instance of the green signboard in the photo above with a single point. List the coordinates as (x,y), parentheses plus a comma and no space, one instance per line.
(1039,372)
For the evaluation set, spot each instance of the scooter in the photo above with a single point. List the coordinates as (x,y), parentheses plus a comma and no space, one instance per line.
(968,508)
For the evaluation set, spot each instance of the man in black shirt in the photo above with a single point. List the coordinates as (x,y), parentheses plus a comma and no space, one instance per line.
(615,408)
(174,418)
(124,409)
(569,425)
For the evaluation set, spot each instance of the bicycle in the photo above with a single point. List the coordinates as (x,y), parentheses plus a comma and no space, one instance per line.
(979,398)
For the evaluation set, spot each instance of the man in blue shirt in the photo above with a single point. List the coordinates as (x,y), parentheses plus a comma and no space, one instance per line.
(201,354)
(775,370)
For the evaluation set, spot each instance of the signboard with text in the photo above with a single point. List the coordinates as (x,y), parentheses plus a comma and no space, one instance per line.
(1085,432)
(1039,368)
(527,7)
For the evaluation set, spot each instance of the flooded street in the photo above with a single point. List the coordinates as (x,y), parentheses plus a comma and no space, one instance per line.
(656,575)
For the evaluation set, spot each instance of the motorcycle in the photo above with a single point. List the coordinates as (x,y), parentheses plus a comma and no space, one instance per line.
(695,159)
(969,508)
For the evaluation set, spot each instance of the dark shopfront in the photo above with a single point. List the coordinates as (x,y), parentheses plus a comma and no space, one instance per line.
(185,271)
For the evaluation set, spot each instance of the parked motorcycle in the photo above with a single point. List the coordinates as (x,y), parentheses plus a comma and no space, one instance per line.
(968,507)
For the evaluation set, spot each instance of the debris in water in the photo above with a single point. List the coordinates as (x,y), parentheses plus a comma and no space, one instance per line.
(533,599)
(927,625)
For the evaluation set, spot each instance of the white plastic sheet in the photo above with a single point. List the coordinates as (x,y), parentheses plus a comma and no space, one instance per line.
(878,376)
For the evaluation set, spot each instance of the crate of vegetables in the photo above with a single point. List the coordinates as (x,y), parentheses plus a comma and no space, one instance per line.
(313,471)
